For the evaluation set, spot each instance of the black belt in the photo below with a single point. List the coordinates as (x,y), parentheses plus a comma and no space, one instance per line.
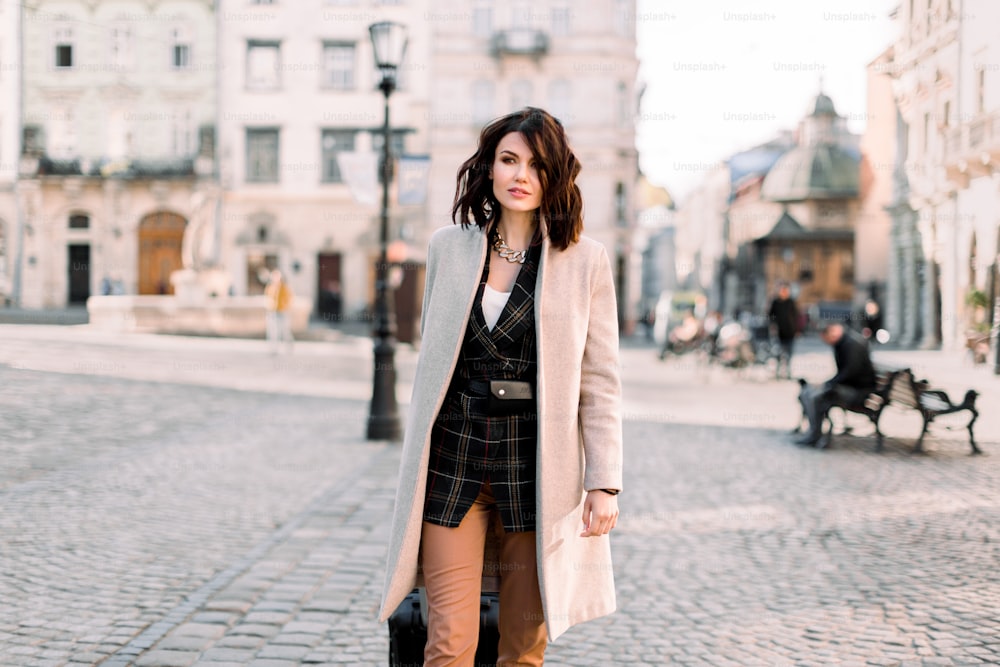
(478,387)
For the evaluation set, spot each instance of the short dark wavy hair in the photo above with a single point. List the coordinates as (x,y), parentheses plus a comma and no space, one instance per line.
(562,203)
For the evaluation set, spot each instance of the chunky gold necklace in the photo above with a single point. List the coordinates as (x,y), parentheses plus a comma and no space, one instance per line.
(505,251)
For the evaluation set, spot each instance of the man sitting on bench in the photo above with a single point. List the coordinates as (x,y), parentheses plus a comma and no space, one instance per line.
(855,379)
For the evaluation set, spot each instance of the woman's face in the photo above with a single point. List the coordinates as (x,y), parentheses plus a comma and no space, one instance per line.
(515,175)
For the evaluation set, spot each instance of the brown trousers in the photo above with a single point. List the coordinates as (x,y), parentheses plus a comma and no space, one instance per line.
(453,572)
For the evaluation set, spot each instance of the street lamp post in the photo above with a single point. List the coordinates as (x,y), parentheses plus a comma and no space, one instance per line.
(389,46)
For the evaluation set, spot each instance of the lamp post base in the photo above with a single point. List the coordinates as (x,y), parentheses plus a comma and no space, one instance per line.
(383,420)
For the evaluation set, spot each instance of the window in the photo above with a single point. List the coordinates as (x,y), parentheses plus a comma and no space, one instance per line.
(263,65)
(624,114)
(560,102)
(927,133)
(63,47)
(397,147)
(180,48)
(79,221)
(946,115)
(262,156)
(121,46)
(335,142)
(482,19)
(520,94)
(32,140)
(560,21)
(338,66)
(482,102)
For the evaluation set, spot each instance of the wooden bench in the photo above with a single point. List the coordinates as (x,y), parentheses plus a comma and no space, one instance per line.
(872,407)
(908,392)
(899,387)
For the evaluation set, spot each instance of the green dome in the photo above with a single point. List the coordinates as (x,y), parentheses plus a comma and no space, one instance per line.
(824,106)
(823,171)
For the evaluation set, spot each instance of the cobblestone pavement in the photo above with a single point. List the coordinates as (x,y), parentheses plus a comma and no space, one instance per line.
(159,508)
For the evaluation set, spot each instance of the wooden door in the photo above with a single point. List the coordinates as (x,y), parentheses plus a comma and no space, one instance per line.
(329,294)
(161,235)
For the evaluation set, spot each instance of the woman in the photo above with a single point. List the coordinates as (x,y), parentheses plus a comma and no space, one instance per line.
(513,293)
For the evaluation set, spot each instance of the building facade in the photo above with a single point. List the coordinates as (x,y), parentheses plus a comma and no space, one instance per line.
(701,223)
(873,227)
(970,277)
(925,70)
(788,217)
(301,91)
(490,58)
(116,166)
(10,126)
(245,135)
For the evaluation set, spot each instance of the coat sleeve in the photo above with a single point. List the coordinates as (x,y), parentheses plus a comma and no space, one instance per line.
(600,385)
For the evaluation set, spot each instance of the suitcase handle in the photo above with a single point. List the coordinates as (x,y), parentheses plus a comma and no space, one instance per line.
(422,592)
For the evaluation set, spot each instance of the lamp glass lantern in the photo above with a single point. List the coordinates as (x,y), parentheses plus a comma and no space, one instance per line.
(389,40)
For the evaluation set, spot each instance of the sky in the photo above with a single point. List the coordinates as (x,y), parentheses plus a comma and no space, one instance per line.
(722,76)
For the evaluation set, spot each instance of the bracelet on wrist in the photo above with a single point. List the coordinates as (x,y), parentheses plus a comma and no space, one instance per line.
(613,492)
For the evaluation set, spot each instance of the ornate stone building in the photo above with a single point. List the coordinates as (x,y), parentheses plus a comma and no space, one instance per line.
(117,146)
(971,149)
(160,134)
(796,223)
(923,66)
(10,109)
(301,90)
(872,229)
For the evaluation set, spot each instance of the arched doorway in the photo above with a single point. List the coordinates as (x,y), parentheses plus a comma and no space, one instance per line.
(160,237)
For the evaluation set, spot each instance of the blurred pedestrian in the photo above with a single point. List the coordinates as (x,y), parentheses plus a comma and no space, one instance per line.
(684,337)
(549,466)
(854,380)
(783,316)
(871,320)
(279,304)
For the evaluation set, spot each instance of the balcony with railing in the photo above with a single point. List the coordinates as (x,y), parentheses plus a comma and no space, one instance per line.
(36,162)
(520,42)
(973,149)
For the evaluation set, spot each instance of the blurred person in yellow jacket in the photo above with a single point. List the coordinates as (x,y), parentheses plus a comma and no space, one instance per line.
(279,303)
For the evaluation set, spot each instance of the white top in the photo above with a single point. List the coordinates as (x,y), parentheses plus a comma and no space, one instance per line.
(493,303)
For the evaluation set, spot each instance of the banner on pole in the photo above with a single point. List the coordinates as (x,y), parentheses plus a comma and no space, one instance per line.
(360,171)
(413,174)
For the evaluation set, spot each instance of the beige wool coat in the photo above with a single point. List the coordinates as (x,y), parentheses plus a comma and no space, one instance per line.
(579,416)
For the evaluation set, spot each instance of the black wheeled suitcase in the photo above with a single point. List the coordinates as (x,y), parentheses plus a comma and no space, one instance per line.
(408,632)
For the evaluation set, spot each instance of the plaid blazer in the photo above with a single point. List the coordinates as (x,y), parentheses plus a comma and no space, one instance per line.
(469,447)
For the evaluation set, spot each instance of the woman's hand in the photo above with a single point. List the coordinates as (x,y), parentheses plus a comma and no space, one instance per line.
(600,513)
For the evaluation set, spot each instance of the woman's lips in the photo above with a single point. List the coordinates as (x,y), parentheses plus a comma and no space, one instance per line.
(517,192)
